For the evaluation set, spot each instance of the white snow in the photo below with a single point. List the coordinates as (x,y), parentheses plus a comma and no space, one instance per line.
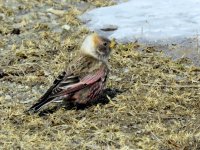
(149,20)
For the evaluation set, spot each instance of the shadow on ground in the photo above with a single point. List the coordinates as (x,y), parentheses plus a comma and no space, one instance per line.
(103,100)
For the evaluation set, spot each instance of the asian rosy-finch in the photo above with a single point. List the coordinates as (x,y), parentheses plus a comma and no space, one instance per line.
(85,77)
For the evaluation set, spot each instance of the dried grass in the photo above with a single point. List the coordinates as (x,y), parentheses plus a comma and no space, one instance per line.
(158,109)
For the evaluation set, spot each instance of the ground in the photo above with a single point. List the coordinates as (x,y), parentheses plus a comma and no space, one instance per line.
(152,101)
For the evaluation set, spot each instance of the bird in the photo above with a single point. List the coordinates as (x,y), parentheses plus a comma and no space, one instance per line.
(84,79)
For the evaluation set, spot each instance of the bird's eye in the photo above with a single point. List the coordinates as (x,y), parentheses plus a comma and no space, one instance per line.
(105,44)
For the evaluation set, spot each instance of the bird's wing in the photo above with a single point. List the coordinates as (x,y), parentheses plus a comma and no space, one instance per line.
(55,83)
(61,80)
(66,87)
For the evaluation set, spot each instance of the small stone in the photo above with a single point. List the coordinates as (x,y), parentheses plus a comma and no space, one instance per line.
(109,28)
(8,97)
(66,27)
(126,70)
(20,86)
(125,127)
(27,101)
(56,12)
(138,132)
(34,91)
(46,73)
(115,78)
(2,16)
(41,87)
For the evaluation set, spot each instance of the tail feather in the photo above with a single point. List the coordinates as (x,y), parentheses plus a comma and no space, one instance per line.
(46,98)
(36,107)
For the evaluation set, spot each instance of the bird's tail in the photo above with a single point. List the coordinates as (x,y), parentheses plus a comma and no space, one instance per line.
(36,107)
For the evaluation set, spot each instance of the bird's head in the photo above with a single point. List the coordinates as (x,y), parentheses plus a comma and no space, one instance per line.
(96,46)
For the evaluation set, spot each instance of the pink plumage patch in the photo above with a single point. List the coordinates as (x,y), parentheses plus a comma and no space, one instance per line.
(86,81)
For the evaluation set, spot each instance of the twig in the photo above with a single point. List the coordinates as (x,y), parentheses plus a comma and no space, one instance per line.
(157,138)
(174,86)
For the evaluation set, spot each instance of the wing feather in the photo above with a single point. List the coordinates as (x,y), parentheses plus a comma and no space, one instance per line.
(86,81)
(66,85)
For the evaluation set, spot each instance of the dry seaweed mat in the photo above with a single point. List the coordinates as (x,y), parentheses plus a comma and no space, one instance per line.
(158,106)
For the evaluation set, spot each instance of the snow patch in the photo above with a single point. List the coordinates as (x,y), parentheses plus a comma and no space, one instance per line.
(154,20)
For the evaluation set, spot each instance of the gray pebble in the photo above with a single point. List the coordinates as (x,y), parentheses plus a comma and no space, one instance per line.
(8,97)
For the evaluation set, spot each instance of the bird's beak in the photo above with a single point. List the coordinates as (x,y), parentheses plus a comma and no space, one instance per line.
(113,43)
